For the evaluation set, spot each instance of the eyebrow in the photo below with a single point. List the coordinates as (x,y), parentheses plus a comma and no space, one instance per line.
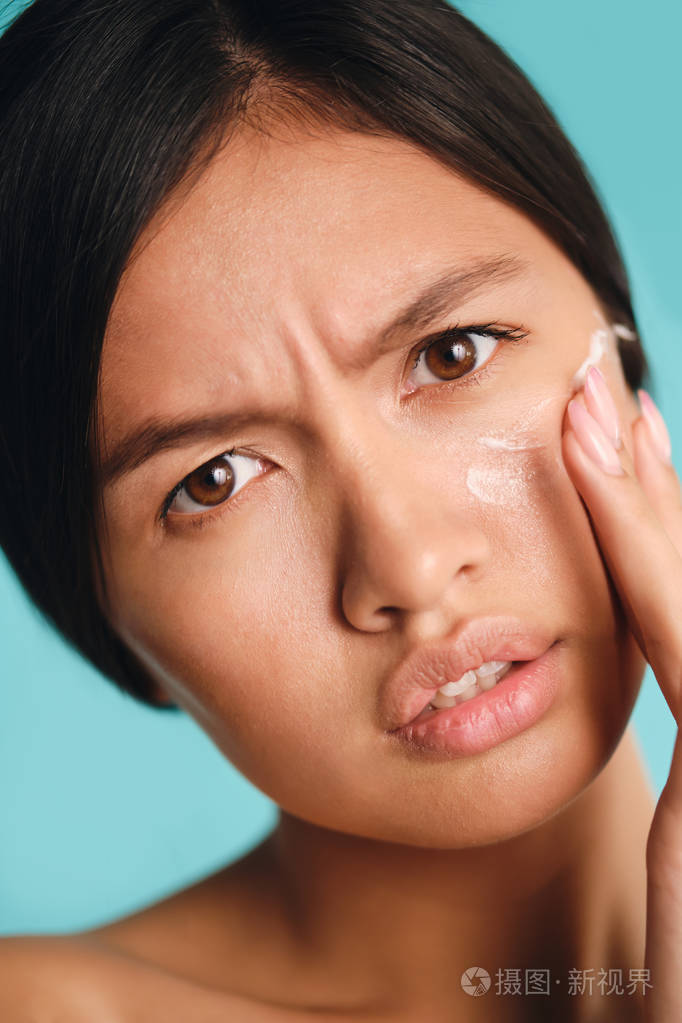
(448,290)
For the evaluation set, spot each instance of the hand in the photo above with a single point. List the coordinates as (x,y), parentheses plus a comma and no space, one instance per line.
(635,504)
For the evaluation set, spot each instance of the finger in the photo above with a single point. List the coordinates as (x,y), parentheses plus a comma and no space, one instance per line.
(640,555)
(663,946)
(655,470)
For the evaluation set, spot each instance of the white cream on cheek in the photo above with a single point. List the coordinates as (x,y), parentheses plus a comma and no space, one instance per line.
(503,485)
(503,476)
(519,437)
(511,469)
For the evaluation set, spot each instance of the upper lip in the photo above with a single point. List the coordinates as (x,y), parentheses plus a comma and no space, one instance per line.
(495,638)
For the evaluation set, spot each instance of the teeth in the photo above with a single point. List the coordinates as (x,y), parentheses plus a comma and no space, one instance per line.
(470,684)
(455,688)
(491,667)
(487,682)
(441,700)
(468,693)
(484,675)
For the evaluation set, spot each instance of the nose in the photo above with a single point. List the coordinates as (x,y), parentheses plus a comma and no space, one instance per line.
(409,542)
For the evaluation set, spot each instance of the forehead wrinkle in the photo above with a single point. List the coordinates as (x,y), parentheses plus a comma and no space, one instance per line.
(353,346)
(313,335)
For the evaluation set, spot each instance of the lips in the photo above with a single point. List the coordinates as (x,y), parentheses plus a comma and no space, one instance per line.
(496,638)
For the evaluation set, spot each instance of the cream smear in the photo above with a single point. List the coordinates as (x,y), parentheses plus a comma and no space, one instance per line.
(599,343)
(505,473)
(623,332)
(504,485)
(602,342)
(502,474)
(504,470)
(519,436)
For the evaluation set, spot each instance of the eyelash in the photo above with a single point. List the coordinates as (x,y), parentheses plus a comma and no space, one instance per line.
(178,487)
(510,335)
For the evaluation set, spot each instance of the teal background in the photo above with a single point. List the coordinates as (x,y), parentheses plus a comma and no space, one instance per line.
(106,805)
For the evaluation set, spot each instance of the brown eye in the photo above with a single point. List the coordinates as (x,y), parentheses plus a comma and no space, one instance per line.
(451,356)
(455,353)
(211,483)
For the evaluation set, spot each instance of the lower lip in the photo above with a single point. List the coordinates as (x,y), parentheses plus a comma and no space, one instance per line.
(516,703)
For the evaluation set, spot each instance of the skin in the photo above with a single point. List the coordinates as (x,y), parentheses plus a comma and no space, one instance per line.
(274,625)
(643,501)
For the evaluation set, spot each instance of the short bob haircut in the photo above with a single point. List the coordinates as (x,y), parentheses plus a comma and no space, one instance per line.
(106,108)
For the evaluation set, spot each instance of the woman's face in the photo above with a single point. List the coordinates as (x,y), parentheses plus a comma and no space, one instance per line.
(372,505)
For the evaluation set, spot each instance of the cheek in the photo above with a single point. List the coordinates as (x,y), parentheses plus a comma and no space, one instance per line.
(241,634)
(512,482)
(254,655)
(549,556)
(511,479)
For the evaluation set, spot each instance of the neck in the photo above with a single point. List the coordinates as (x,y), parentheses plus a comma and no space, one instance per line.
(402,923)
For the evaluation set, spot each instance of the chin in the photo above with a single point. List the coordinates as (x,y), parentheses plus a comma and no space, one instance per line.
(496,797)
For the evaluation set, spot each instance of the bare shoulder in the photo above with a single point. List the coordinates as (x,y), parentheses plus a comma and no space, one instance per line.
(187,956)
(44,979)
(77,980)
(205,934)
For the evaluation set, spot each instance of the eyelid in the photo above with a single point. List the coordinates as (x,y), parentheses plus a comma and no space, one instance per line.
(233,453)
(506,335)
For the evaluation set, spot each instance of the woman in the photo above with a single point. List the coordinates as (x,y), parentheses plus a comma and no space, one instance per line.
(322,343)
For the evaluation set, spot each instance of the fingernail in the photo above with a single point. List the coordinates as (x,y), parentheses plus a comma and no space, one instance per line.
(602,406)
(593,440)
(658,433)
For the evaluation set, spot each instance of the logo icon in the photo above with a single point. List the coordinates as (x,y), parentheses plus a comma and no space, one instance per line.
(475,981)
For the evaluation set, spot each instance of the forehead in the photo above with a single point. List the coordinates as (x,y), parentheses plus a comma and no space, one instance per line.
(289,236)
